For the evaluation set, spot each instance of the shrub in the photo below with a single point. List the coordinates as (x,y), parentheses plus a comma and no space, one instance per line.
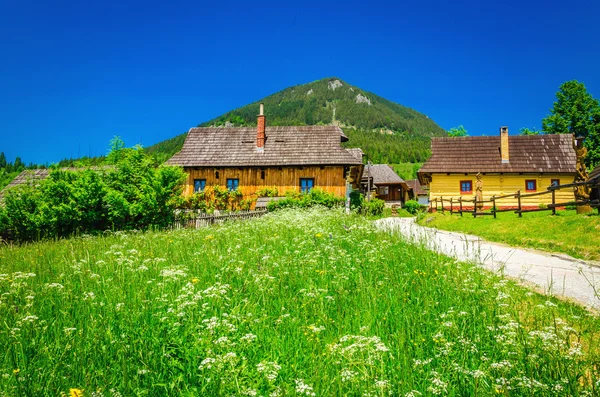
(373,207)
(131,195)
(267,192)
(305,200)
(356,200)
(412,206)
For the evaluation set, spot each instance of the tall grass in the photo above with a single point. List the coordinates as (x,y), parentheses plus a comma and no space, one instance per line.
(298,303)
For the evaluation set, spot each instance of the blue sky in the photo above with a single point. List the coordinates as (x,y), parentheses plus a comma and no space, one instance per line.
(73,74)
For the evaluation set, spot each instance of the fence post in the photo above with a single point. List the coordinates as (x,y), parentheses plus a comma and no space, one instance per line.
(494,205)
(451,205)
(460,204)
(475,207)
(553,202)
(442,200)
(519,201)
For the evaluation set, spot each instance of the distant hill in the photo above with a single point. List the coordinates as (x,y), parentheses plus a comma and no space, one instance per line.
(386,131)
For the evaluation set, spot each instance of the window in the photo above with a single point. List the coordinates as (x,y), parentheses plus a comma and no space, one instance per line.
(306,184)
(466,187)
(554,182)
(530,185)
(384,190)
(232,184)
(199,185)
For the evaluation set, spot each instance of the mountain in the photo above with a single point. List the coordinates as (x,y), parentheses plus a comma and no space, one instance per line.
(386,131)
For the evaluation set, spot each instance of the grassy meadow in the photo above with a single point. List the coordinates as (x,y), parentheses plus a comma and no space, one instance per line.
(567,232)
(297,303)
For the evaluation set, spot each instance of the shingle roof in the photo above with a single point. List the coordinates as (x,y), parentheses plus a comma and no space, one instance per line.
(223,147)
(415,186)
(529,153)
(36,175)
(595,173)
(382,174)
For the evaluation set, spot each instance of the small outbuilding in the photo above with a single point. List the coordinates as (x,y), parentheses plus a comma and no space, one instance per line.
(416,192)
(382,179)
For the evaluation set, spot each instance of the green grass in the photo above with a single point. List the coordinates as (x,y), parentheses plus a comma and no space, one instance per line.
(294,303)
(567,232)
(407,171)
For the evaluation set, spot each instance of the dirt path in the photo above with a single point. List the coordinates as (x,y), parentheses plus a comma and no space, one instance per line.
(559,275)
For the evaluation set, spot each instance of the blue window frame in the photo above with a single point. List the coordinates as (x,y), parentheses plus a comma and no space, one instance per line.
(232,184)
(466,187)
(554,182)
(306,184)
(199,185)
(530,185)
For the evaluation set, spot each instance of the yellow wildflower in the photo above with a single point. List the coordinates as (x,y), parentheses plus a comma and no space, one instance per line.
(318,235)
(195,280)
(16,371)
(75,393)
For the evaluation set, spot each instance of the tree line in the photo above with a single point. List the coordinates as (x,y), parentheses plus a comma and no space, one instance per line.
(129,192)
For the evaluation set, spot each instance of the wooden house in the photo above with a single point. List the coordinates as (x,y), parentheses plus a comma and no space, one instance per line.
(595,174)
(506,165)
(416,192)
(382,179)
(251,158)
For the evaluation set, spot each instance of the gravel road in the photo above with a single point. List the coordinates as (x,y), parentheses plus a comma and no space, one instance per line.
(555,274)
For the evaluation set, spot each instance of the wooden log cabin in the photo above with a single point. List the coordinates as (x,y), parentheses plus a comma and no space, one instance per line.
(387,185)
(287,158)
(505,164)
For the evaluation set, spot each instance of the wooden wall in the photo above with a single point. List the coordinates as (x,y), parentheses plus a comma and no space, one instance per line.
(448,186)
(328,178)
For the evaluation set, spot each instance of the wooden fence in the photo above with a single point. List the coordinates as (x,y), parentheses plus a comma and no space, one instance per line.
(476,207)
(194,219)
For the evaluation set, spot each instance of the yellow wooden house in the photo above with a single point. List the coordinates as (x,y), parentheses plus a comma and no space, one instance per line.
(506,164)
(296,158)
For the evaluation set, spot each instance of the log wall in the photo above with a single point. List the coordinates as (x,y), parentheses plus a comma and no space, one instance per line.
(328,178)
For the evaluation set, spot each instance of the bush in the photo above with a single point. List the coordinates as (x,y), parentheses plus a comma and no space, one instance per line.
(356,200)
(132,194)
(267,192)
(305,200)
(412,206)
(216,198)
(373,207)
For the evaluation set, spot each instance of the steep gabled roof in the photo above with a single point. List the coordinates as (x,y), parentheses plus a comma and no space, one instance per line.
(529,153)
(236,147)
(382,174)
(415,186)
(595,173)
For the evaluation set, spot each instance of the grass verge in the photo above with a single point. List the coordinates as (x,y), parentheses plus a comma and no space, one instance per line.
(567,232)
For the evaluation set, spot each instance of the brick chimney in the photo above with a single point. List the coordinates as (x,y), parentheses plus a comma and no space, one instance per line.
(504,144)
(260,129)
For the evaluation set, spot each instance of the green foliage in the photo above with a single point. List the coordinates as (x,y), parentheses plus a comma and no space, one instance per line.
(373,207)
(412,206)
(267,192)
(217,198)
(131,195)
(356,200)
(527,131)
(9,171)
(457,131)
(386,131)
(407,171)
(304,200)
(576,112)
